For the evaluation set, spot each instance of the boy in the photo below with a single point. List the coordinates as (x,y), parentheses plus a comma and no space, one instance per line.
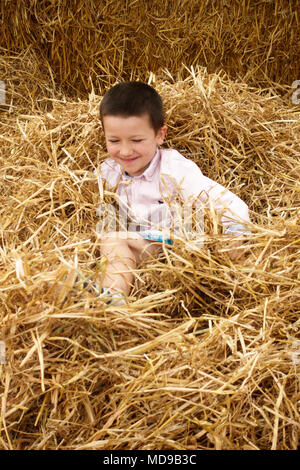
(146,179)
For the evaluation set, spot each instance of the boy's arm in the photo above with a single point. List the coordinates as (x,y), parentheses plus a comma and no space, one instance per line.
(234,212)
(194,184)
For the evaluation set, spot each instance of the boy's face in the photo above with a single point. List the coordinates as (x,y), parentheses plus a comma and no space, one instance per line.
(131,141)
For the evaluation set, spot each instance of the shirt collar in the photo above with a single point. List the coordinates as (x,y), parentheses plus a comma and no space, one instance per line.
(149,172)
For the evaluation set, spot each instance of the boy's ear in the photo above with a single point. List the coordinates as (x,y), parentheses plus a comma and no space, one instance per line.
(161,133)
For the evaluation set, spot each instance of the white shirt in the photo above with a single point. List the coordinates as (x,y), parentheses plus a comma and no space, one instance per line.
(149,199)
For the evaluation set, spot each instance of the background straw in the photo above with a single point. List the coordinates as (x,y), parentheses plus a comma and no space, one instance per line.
(206,355)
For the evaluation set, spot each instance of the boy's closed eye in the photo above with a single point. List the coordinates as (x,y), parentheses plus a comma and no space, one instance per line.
(115,141)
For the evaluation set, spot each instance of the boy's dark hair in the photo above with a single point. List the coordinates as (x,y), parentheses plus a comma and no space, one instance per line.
(133,99)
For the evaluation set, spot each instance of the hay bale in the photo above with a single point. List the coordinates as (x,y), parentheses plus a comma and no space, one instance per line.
(206,356)
(29,82)
(100,42)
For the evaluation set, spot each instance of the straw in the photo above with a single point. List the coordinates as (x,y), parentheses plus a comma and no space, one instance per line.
(86,42)
(206,353)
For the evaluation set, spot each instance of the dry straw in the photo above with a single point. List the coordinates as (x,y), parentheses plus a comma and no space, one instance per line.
(206,355)
(104,40)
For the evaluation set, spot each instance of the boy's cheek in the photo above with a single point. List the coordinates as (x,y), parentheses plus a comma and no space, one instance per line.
(110,149)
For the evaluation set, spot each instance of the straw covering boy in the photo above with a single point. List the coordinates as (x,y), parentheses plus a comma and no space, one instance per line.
(147,181)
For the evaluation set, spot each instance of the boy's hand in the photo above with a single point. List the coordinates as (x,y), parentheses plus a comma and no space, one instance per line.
(237,251)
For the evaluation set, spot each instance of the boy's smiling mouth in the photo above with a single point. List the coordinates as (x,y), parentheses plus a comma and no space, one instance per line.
(128,159)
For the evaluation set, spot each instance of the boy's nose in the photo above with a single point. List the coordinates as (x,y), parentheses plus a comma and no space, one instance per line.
(125,151)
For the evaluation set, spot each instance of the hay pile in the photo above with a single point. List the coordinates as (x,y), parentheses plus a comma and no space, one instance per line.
(99,41)
(207,354)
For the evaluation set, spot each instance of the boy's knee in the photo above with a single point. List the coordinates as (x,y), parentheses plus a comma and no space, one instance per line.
(118,240)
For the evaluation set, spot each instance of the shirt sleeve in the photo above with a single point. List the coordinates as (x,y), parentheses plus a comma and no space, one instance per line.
(193,184)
